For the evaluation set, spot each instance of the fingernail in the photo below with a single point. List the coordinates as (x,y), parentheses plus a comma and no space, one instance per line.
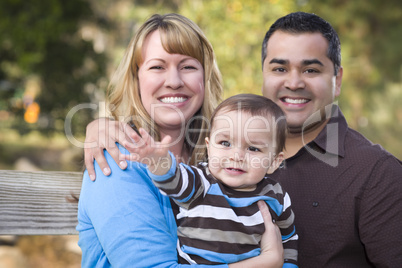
(123,164)
(92,177)
(106,171)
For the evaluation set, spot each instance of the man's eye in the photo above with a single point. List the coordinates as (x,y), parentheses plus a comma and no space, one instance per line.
(310,71)
(253,149)
(279,69)
(225,143)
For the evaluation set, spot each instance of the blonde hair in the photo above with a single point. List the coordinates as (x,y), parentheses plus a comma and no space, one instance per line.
(179,35)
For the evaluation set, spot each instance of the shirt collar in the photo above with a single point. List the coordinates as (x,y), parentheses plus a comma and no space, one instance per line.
(332,138)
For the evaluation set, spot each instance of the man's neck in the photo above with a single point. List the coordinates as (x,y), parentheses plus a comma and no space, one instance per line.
(297,140)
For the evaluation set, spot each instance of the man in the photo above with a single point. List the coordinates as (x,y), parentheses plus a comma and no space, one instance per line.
(346,192)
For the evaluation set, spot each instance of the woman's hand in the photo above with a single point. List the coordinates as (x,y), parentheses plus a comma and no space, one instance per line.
(103,133)
(271,241)
(271,244)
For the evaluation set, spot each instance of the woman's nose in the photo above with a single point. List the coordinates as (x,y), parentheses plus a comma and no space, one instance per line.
(294,80)
(173,79)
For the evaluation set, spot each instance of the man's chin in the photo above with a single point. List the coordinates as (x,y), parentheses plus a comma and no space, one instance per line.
(306,127)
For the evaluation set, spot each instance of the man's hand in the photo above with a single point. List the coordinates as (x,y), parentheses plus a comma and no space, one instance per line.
(103,133)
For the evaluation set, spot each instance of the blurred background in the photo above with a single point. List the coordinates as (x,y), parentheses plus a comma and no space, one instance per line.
(56,58)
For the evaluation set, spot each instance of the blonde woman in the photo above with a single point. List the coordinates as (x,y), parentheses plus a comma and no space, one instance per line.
(167,83)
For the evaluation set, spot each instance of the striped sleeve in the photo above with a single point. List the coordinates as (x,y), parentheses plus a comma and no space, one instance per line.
(285,222)
(183,183)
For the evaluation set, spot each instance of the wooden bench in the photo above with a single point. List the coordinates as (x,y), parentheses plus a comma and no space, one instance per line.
(38,203)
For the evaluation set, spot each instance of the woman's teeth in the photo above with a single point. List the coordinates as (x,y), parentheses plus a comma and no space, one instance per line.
(173,99)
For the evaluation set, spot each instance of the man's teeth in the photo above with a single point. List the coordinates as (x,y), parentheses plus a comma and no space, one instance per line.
(173,99)
(295,101)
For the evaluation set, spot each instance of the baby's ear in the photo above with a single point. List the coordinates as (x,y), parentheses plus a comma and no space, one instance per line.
(207,143)
(276,163)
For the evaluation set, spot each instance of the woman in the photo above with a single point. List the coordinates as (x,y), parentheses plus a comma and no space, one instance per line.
(167,83)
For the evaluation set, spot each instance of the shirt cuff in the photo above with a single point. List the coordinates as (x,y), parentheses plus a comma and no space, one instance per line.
(166,176)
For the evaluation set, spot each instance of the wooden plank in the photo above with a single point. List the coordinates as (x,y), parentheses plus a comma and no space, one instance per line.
(37,203)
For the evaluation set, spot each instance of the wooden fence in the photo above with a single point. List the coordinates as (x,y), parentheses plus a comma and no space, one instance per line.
(38,203)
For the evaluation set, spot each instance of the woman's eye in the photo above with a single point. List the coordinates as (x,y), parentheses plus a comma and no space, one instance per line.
(225,143)
(156,68)
(189,67)
(253,149)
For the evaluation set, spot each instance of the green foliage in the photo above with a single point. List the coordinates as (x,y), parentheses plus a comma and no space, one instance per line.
(370,33)
(236,30)
(43,40)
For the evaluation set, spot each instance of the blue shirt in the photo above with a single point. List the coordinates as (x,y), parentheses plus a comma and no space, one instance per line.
(124,221)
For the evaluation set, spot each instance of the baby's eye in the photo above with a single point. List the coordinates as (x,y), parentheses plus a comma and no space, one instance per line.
(254,149)
(225,143)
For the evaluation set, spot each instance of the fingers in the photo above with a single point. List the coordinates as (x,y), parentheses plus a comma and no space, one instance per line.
(266,215)
(144,148)
(268,222)
(102,134)
(165,142)
(89,163)
(128,133)
(271,241)
(137,140)
(102,162)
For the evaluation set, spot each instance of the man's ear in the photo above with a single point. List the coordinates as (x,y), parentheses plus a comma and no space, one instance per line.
(338,82)
(276,163)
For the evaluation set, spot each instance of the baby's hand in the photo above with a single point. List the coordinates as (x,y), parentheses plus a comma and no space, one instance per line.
(154,154)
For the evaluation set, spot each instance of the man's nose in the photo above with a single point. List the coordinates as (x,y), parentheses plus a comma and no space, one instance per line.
(294,80)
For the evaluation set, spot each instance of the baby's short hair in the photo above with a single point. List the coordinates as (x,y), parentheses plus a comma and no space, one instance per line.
(257,105)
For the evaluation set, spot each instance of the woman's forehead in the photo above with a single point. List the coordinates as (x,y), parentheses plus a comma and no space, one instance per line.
(181,42)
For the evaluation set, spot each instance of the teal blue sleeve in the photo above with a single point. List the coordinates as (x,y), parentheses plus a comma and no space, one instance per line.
(124,221)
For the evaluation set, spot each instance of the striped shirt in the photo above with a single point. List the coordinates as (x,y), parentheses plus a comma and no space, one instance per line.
(217,224)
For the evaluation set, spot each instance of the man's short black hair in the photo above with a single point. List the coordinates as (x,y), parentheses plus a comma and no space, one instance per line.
(301,22)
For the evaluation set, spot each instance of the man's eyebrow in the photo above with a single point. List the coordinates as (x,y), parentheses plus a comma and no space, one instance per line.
(279,61)
(304,62)
(312,61)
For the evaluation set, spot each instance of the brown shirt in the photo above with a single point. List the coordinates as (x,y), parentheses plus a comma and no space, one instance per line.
(347,199)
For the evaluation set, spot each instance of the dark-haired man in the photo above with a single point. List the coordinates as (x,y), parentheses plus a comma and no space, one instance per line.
(346,192)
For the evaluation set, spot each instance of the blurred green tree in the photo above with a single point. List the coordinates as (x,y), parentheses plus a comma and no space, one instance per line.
(45,59)
(44,44)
